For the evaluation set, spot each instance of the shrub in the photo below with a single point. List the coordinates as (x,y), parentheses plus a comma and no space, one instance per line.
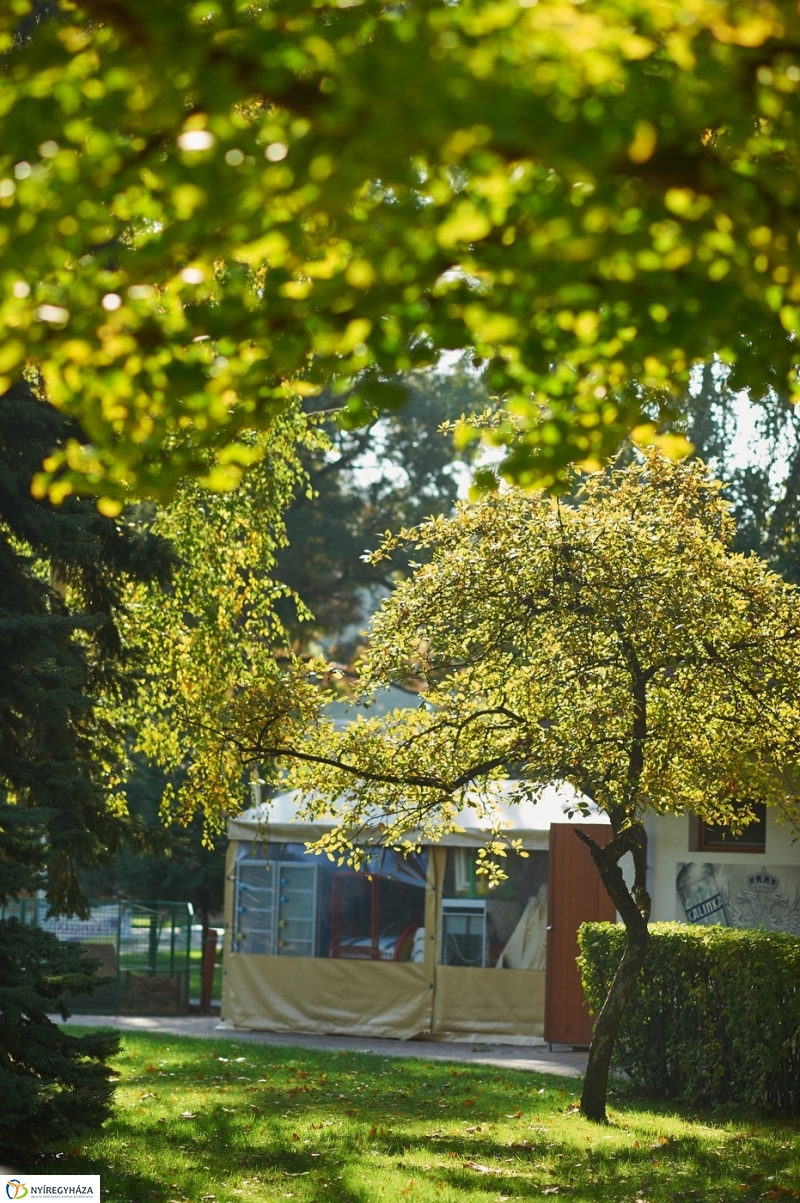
(715,1020)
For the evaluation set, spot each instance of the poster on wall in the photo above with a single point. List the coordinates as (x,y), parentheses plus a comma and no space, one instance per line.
(739,895)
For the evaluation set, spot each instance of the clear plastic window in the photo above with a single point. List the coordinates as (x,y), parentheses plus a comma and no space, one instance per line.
(502,928)
(291,903)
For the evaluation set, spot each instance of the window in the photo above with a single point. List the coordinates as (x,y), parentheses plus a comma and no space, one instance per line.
(464,931)
(292,903)
(502,928)
(374,919)
(254,907)
(711,837)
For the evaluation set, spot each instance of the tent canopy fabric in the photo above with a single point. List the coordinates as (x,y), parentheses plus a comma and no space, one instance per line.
(528,821)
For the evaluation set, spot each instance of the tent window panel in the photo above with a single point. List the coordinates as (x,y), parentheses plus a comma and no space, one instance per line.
(321,909)
(297,910)
(255,907)
(504,927)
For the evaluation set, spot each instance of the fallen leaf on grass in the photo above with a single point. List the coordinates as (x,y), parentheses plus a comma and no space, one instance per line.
(188,1115)
(475,1129)
(149,1095)
(480,1169)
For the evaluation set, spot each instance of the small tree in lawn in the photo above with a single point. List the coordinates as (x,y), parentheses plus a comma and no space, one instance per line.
(616,644)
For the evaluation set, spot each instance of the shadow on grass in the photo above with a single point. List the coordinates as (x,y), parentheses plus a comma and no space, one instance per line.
(219,1121)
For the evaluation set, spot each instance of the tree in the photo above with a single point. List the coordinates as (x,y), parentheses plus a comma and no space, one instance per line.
(391,473)
(184,866)
(763,487)
(63,571)
(207,208)
(207,636)
(617,644)
(215,631)
(65,664)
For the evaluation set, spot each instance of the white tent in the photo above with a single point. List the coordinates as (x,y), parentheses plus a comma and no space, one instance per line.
(423,972)
(524,820)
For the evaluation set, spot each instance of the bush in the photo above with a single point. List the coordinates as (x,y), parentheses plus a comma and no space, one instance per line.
(53,1084)
(715,1020)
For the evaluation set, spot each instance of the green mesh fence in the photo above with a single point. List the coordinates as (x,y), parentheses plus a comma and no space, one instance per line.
(144,946)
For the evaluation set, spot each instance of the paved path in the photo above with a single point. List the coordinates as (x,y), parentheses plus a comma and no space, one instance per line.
(562,1060)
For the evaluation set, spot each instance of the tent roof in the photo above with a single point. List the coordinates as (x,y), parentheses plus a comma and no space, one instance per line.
(527,821)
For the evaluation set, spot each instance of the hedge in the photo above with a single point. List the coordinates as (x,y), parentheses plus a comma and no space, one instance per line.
(715,1020)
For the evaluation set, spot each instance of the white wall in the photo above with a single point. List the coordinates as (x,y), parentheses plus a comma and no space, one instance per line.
(668,845)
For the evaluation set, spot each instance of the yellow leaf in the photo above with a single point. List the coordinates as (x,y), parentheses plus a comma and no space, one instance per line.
(187,198)
(108,506)
(360,273)
(644,142)
(490,327)
(465,224)
(11,353)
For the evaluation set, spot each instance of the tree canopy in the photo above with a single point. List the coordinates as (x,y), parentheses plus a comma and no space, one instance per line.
(185,865)
(206,208)
(761,468)
(390,473)
(215,631)
(64,668)
(617,644)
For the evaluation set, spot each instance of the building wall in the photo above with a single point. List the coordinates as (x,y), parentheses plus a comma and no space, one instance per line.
(668,839)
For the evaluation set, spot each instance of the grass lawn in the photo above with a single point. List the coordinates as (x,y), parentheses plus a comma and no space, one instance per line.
(139,962)
(213,1121)
(196,974)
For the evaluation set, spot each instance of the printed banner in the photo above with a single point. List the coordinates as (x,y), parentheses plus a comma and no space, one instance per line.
(51,1186)
(739,895)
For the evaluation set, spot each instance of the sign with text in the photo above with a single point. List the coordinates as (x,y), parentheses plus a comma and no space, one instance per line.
(51,1186)
(739,895)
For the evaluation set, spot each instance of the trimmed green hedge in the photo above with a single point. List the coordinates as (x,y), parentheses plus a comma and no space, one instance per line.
(715,1020)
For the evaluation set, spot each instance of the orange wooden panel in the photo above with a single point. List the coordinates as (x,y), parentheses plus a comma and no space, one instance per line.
(575,895)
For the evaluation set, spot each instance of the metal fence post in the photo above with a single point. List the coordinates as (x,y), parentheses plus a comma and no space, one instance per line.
(209,964)
(152,946)
(118,990)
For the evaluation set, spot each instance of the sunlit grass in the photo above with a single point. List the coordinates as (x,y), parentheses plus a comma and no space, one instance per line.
(216,1121)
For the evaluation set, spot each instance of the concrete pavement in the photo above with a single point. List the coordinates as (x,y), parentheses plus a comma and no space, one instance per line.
(563,1060)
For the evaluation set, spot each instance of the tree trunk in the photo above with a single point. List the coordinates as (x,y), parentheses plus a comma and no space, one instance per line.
(595,1083)
(635,911)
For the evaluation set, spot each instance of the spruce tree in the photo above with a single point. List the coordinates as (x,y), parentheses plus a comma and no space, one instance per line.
(62,572)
